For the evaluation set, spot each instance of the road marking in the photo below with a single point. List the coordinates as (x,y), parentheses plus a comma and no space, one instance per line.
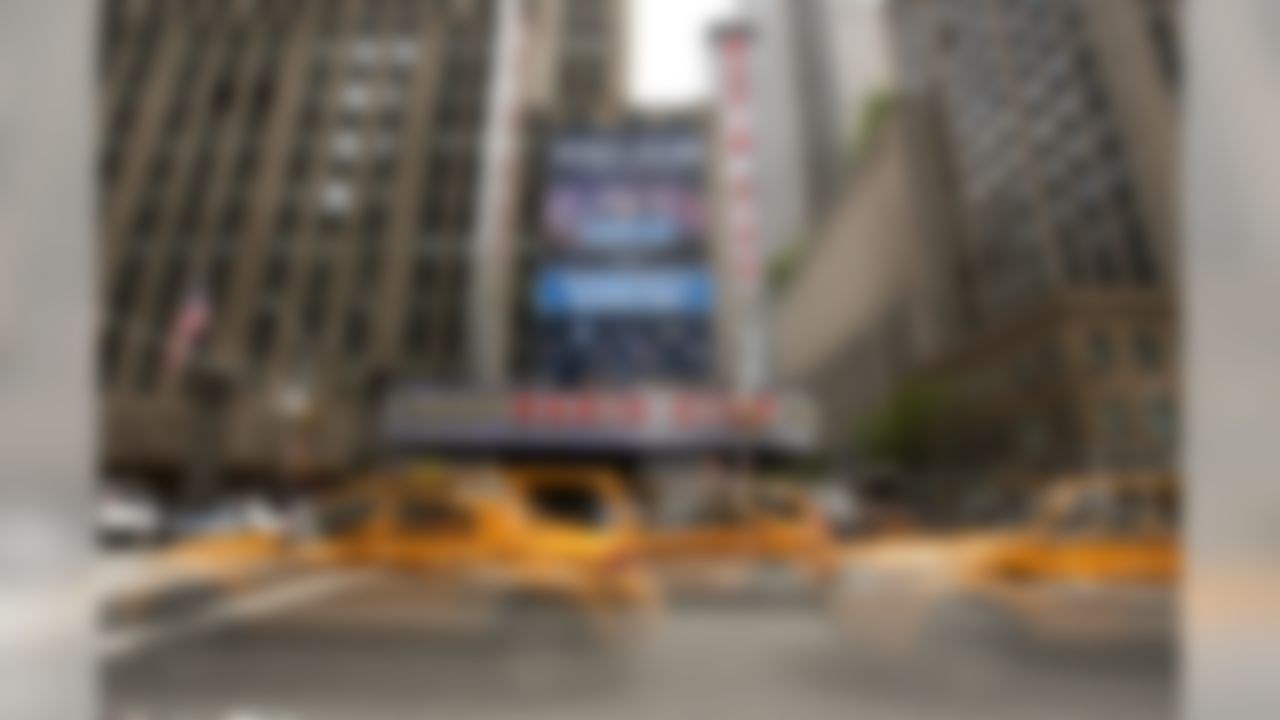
(236,609)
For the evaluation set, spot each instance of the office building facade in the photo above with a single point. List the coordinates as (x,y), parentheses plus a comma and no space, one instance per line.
(1039,139)
(336,184)
(817,64)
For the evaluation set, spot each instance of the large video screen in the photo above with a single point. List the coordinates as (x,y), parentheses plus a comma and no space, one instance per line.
(625,189)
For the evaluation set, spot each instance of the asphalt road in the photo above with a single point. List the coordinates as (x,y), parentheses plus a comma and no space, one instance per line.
(367,653)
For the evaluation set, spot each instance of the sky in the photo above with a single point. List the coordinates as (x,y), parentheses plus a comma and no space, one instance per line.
(670,56)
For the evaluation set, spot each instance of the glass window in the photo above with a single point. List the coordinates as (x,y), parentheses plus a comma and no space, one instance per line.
(336,198)
(262,336)
(233,218)
(1161,420)
(355,97)
(1100,351)
(356,333)
(1116,423)
(415,332)
(404,51)
(1148,350)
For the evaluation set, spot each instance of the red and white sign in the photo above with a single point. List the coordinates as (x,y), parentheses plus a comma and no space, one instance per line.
(652,417)
(740,224)
(737,165)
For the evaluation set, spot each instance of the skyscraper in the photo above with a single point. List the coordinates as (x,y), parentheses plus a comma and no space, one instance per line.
(1037,138)
(1060,117)
(341,178)
(1057,125)
(817,64)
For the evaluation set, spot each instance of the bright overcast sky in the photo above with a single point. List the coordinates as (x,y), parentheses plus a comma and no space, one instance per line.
(669,51)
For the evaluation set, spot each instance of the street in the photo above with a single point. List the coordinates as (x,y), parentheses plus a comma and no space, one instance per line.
(362,652)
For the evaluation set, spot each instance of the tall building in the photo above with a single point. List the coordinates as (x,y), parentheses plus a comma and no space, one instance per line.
(1061,121)
(1039,137)
(336,185)
(863,309)
(817,64)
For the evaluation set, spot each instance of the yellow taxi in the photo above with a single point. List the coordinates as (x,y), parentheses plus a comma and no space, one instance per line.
(531,540)
(732,539)
(1096,563)
(580,538)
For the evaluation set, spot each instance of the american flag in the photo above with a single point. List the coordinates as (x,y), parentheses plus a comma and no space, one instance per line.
(190,323)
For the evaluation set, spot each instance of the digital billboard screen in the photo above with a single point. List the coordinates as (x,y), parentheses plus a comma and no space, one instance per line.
(626,189)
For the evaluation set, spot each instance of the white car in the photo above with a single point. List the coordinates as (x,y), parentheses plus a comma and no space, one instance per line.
(127,517)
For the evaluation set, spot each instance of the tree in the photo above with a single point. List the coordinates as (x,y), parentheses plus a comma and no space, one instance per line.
(873,114)
(909,430)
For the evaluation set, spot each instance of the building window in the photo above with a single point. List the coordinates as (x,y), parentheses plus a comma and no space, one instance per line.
(1115,417)
(109,163)
(111,349)
(374,222)
(404,51)
(263,98)
(315,306)
(219,278)
(1100,351)
(246,163)
(355,99)
(232,218)
(356,333)
(1161,421)
(370,262)
(125,288)
(145,221)
(1148,350)
(335,198)
(415,332)
(1139,249)
(345,146)
(262,336)
(148,368)
(287,220)
(1165,39)
(276,273)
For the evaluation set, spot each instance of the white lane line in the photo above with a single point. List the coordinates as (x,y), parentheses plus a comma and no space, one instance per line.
(237,608)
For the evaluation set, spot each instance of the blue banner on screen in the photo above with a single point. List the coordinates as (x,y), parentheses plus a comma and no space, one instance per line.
(678,291)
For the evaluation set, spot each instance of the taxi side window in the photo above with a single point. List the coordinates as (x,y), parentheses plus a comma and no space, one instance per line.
(719,512)
(345,516)
(1167,510)
(433,515)
(570,503)
(1116,512)
(782,508)
(1085,515)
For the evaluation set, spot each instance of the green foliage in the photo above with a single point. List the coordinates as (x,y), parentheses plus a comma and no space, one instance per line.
(907,430)
(875,111)
(783,266)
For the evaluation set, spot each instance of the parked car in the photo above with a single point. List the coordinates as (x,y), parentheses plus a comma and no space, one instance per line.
(127,517)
